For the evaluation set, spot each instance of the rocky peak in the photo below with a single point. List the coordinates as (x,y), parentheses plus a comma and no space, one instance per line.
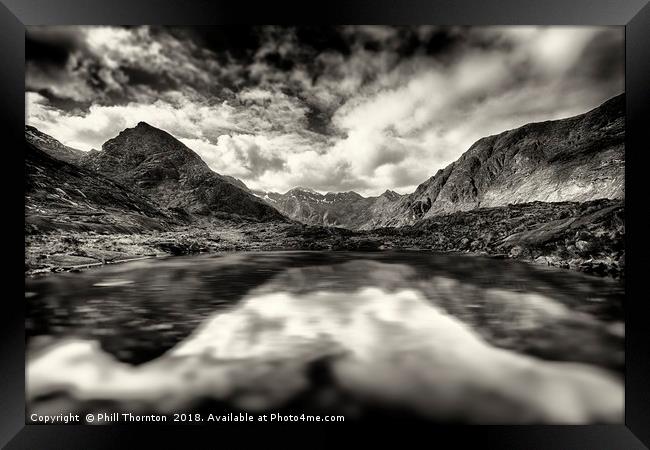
(143,125)
(164,168)
(140,131)
(145,144)
(390,195)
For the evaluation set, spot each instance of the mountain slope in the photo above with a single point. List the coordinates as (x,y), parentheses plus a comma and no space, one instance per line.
(163,168)
(580,159)
(51,146)
(336,209)
(60,195)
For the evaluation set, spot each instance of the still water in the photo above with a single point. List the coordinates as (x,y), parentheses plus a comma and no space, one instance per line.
(441,337)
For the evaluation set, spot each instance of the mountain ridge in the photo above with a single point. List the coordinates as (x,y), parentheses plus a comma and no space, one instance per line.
(347,209)
(52,146)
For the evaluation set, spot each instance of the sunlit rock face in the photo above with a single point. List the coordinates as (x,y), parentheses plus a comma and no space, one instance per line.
(384,333)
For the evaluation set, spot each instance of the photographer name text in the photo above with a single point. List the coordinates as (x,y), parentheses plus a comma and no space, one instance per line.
(114,417)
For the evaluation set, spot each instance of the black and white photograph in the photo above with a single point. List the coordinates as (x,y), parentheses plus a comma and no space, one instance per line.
(324,224)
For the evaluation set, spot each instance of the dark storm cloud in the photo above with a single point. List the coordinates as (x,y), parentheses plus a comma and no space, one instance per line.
(321,39)
(256,163)
(320,120)
(234,56)
(65,66)
(63,103)
(333,108)
(52,46)
(224,42)
(139,76)
(62,68)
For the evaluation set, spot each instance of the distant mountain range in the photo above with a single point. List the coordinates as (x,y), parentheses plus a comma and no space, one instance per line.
(579,159)
(334,209)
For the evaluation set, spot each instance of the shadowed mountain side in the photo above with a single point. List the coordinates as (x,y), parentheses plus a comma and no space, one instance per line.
(577,159)
(63,196)
(162,167)
(580,158)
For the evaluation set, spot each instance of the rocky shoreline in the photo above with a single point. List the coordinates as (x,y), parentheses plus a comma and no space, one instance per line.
(586,237)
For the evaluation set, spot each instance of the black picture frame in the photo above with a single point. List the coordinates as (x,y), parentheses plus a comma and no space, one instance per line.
(634,15)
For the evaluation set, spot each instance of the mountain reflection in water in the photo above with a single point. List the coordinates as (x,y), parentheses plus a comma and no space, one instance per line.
(435,336)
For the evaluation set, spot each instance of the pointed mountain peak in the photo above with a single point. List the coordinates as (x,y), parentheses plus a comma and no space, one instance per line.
(144,127)
(390,194)
(144,140)
(145,131)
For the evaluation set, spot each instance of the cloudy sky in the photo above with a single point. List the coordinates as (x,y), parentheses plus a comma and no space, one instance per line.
(364,108)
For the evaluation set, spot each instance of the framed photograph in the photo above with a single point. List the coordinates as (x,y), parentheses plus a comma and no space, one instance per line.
(415,215)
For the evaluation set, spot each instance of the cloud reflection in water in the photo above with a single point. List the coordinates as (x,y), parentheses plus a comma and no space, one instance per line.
(386,342)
